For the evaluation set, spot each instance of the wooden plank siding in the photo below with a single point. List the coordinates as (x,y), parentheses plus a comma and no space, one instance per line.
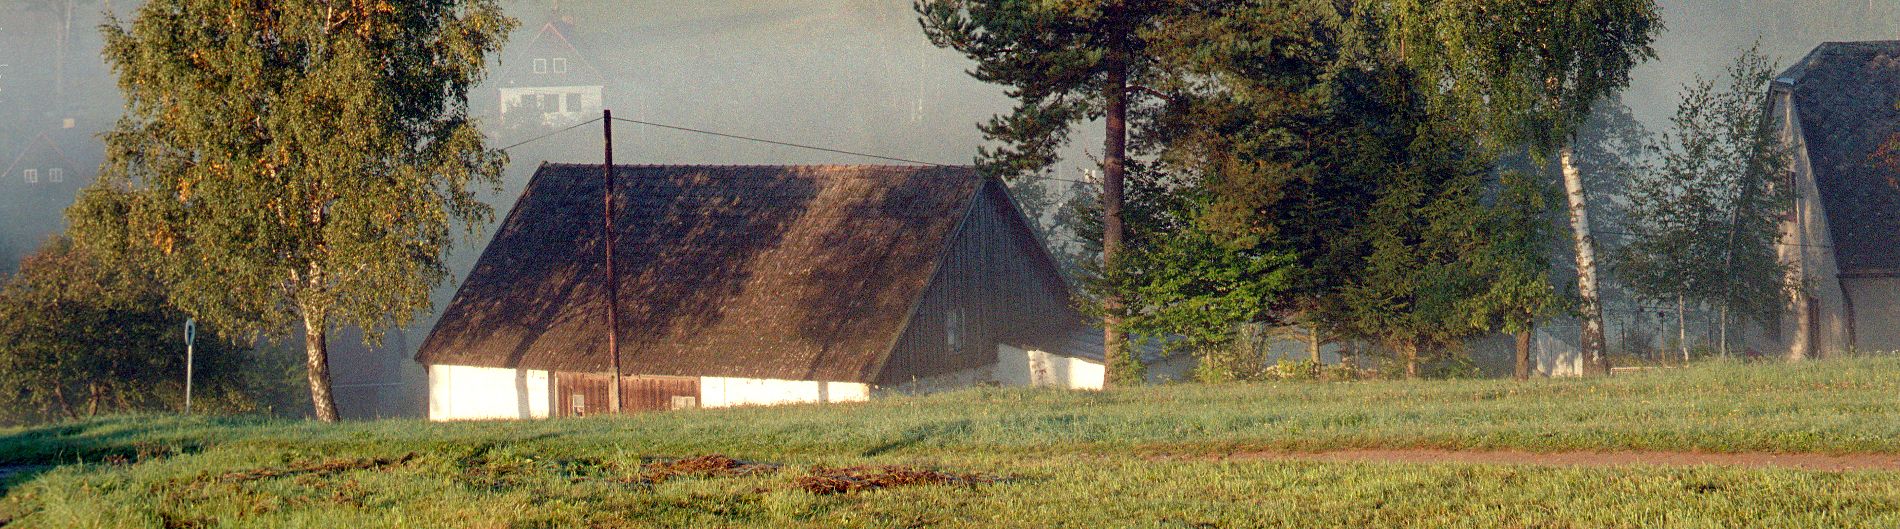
(1004,283)
(579,394)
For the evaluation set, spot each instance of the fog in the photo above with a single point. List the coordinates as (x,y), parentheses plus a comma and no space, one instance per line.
(1703,36)
(854,75)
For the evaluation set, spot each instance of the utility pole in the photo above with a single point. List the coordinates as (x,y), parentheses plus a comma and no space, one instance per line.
(613,282)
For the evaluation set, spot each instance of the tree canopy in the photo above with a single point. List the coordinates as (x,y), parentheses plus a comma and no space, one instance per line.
(81,335)
(1705,218)
(295,162)
(1294,169)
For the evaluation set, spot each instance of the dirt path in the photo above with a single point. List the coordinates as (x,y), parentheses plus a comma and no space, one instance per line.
(1820,462)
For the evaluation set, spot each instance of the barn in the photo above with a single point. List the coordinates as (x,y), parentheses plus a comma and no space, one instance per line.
(754,285)
(1837,114)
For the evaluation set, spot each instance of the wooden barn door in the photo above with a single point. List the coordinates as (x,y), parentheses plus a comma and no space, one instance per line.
(582,394)
(648,393)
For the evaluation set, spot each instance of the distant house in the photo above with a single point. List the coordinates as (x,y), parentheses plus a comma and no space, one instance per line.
(42,164)
(756,285)
(548,80)
(1836,109)
(42,175)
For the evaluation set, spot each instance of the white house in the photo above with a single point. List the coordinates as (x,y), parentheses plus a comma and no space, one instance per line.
(548,81)
(1837,114)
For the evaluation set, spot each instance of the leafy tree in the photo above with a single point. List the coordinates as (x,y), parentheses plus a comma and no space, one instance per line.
(1528,72)
(1317,150)
(81,335)
(1704,223)
(1064,63)
(1515,259)
(1193,287)
(1292,173)
(295,162)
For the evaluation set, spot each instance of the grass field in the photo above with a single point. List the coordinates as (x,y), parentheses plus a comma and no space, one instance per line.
(1138,457)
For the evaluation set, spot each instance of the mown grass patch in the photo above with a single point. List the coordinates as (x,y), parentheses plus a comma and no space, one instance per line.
(1011,458)
(1073,491)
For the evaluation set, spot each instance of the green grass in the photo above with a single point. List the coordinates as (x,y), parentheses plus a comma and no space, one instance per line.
(1065,459)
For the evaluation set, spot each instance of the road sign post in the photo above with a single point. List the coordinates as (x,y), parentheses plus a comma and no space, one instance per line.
(191,334)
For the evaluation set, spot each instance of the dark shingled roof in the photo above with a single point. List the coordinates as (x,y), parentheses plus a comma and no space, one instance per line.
(1846,93)
(785,272)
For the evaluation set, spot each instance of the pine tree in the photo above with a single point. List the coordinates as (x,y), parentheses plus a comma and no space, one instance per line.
(1064,63)
(296,162)
(1423,232)
(1268,137)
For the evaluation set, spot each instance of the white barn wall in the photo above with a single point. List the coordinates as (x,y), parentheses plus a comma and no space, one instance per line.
(468,393)
(1819,320)
(1019,367)
(721,392)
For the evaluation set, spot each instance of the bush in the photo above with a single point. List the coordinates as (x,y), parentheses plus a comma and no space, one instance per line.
(81,336)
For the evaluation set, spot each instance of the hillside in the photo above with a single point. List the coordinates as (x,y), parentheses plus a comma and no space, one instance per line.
(1170,456)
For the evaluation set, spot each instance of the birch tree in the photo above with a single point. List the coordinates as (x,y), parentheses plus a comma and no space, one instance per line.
(295,165)
(1705,220)
(1529,72)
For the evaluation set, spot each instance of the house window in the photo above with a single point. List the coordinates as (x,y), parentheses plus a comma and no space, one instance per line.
(32,176)
(560,65)
(953,329)
(56,175)
(573,102)
(540,66)
(579,404)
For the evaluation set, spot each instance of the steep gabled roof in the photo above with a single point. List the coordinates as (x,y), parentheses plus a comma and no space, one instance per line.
(43,149)
(785,272)
(1846,94)
(554,39)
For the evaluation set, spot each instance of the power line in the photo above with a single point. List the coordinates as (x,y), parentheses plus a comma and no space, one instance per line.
(550,134)
(825,149)
(766,141)
(780,143)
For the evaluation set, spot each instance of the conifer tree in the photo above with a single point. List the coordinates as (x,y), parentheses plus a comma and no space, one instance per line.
(1514,259)
(295,165)
(1065,63)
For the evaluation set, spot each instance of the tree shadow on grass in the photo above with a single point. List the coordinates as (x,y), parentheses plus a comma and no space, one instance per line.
(126,438)
(917,435)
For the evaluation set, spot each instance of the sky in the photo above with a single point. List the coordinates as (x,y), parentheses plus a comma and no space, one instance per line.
(848,74)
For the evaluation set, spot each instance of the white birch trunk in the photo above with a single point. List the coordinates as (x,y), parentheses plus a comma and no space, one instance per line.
(1591,309)
(1682,328)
